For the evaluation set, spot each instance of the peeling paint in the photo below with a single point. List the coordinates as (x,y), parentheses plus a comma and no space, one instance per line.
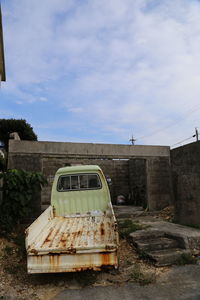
(77,239)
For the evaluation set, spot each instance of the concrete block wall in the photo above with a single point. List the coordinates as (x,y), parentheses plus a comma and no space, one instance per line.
(185,162)
(47,157)
(159,182)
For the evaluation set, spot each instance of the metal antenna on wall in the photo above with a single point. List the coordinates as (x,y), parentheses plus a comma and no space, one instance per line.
(132,140)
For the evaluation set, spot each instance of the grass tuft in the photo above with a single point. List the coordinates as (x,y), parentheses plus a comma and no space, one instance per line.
(186,259)
(142,278)
(127,226)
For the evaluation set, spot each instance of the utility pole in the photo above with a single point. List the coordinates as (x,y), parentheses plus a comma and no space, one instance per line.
(196,134)
(132,140)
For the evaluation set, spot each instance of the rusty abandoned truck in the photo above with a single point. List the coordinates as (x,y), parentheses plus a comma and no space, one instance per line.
(78,231)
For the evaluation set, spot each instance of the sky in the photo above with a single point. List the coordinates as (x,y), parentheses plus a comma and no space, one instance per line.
(101,71)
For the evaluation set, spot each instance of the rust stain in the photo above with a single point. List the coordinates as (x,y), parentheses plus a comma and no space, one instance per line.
(62,241)
(102,229)
(48,237)
(54,261)
(39,259)
(70,251)
(34,251)
(52,240)
(67,236)
(54,211)
(105,259)
(110,247)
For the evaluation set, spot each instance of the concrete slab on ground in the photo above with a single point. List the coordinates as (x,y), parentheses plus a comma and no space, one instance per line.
(191,236)
(181,282)
(125,211)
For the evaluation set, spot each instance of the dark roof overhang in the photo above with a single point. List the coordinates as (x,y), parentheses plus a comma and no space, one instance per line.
(2,60)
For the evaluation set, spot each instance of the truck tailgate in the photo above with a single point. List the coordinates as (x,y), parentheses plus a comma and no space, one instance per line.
(70,235)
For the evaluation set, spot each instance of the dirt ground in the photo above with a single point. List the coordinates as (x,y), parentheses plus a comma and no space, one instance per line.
(17,284)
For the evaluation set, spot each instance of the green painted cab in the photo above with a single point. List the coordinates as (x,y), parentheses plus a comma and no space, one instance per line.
(80,190)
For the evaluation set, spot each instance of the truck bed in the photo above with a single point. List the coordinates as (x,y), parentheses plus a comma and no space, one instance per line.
(71,243)
(75,235)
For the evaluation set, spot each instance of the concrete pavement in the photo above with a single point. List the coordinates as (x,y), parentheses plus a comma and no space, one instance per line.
(181,282)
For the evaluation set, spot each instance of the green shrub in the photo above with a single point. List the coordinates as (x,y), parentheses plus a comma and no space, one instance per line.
(19,190)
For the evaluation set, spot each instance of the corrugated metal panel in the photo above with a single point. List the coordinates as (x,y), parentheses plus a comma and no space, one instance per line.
(76,235)
(80,202)
(37,226)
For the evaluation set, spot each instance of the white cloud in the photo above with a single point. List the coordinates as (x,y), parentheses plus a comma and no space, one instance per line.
(134,66)
(75,109)
(43,99)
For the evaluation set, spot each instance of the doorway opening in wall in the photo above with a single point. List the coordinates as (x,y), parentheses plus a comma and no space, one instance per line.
(138,182)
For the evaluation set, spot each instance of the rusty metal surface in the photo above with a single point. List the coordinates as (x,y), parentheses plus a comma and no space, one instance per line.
(76,235)
(71,263)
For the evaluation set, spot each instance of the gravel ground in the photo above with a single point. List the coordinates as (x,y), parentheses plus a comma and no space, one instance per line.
(16,284)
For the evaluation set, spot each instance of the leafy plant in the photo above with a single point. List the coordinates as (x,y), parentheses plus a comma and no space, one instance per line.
(19,189)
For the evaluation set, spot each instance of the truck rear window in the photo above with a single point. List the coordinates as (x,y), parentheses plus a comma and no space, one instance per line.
(78,182)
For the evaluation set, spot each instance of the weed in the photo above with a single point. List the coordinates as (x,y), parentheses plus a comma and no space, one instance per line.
(142,278)
(8,251)
(143,255)
(14,268)
(186,259)
(127,226)
(129,263)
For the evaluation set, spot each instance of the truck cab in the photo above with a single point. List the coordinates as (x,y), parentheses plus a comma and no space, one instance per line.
(80,190)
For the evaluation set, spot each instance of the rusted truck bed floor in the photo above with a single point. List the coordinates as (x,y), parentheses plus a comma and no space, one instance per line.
(75,235)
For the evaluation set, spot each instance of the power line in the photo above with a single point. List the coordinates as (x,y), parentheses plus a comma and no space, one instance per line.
(194,135)
(183,141)
(192,110)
